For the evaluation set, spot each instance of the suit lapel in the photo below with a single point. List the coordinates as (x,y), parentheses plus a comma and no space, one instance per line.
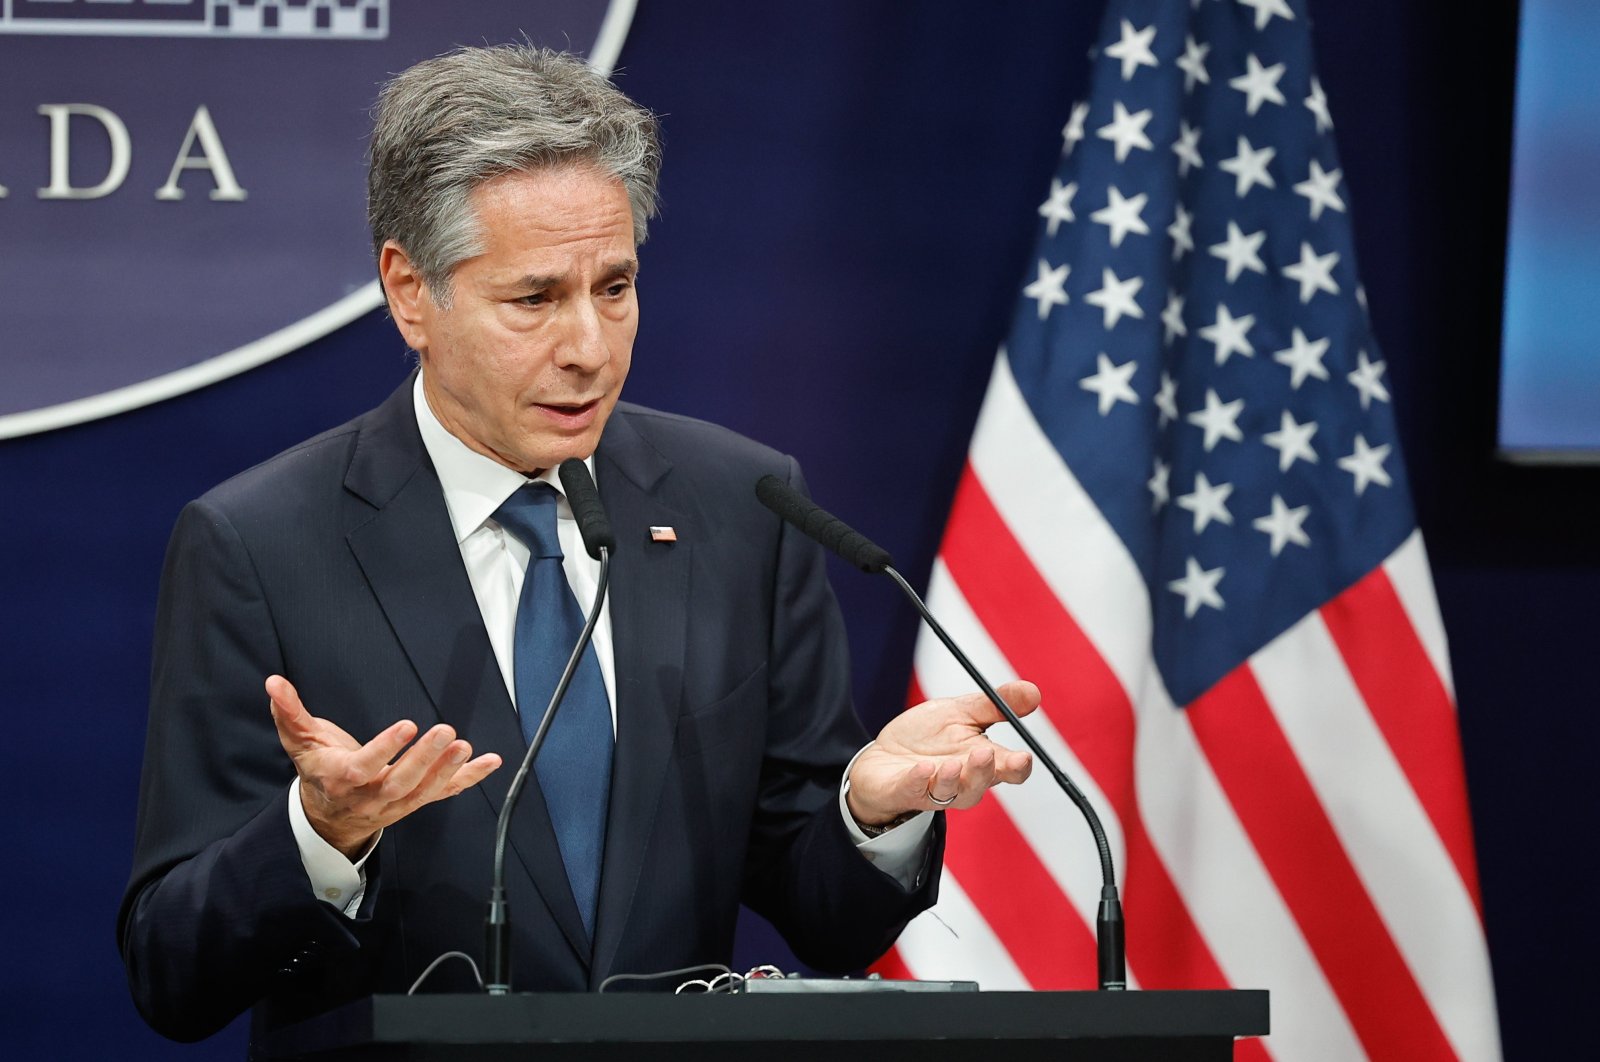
(649,596)
(408,553)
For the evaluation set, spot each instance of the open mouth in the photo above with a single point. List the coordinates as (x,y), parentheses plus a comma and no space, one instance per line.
(575,414)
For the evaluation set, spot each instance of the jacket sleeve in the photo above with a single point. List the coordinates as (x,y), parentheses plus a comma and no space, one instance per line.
(218,913)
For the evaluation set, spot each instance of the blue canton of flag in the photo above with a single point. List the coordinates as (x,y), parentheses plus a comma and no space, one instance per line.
(1194,338)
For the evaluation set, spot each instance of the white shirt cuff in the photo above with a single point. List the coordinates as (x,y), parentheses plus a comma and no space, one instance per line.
(335,880)
(900,852)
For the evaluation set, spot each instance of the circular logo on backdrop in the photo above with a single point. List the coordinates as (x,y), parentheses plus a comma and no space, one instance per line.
(182,182)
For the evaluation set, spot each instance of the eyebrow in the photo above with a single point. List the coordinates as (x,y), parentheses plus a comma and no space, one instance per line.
(625,267)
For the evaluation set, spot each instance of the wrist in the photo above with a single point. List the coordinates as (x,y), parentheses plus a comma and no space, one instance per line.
(352,844)
(873,825)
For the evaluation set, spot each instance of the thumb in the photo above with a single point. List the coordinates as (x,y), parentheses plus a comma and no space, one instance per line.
(289,715)
(1020,696)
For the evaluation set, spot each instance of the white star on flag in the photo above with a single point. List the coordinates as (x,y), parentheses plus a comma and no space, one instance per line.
(1241,252)
(1072,132)
(1133,49)
(1318,188)
(1058,207)
(1314,272)
(1049,288)
(1219,420)
(1160,493)
(1249,167)
(1366,464)
(1207,502)
(1122,215)
(1284,524)
(1187,148)
(1292,441)
(1265,9)
(1110,383)
(1193,63)
(1166,399)
(1126,130)
(1182,240)
(1198,587)
(1304,358)
(1115,297)
(1368,379)
(1259,84)
(1172,318)
(1317,104)
(1229,334)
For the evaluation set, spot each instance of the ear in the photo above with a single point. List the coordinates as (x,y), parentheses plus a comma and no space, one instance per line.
(406,291)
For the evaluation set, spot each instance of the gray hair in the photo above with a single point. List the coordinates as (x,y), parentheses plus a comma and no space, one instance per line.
(448,124)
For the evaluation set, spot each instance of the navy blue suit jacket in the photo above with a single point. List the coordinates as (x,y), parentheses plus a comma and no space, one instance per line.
(335,565)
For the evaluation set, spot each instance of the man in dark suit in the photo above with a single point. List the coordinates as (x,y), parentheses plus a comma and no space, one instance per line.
(293,859)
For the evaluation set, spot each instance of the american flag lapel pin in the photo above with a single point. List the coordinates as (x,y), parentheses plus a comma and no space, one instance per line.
(663,533)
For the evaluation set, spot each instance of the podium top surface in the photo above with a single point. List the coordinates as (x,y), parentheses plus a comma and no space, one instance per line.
(650,1019)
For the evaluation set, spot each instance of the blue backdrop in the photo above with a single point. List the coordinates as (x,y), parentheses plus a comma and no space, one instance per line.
(849,196)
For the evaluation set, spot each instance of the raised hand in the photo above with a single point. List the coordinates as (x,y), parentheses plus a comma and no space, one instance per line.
(350,791)
(936,756)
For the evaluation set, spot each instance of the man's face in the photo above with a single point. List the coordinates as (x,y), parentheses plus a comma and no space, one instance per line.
(527,363)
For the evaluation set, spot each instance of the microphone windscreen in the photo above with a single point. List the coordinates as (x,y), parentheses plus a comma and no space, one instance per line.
(822,525)
(586,507)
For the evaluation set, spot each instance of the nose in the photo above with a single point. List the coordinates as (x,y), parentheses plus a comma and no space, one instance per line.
(585,348)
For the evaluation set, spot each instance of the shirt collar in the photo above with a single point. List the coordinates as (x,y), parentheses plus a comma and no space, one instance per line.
(474,485)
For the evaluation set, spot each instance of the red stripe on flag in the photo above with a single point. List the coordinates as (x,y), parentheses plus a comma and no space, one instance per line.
(1410,704)
(1289,829)
(892,967)
(1093,715)
(1017,896)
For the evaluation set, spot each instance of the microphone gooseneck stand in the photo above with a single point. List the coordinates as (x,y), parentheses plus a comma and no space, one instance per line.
(598,541)
(863,553)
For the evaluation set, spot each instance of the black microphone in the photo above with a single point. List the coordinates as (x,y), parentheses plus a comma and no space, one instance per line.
(586,508)
(862,552)
(598,540)
(822,525)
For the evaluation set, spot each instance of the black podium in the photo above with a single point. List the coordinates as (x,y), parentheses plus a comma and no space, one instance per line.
(872,1027)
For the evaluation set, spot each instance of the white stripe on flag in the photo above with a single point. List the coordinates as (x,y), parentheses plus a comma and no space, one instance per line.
(952,942)
(1407,569)
(1383,828)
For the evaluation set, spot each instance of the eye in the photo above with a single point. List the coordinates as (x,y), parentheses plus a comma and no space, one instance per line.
(617,288)
(538,298)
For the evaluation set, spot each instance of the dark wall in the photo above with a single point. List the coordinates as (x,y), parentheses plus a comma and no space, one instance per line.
(849,203)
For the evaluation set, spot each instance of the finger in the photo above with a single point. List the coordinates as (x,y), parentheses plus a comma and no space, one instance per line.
(1011,765)
(408,791)
(455,773)
(295,725)
(406,773)
(1021,697)
(298,730)
(945,785)
(472,772)
(977,774)
(910,790)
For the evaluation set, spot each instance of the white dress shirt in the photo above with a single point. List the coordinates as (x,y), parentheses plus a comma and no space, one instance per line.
(474,487)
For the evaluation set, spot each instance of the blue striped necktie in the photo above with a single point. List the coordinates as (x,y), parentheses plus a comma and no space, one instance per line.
(574,766)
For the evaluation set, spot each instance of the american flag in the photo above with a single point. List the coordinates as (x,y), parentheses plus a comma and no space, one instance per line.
(1184,516)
